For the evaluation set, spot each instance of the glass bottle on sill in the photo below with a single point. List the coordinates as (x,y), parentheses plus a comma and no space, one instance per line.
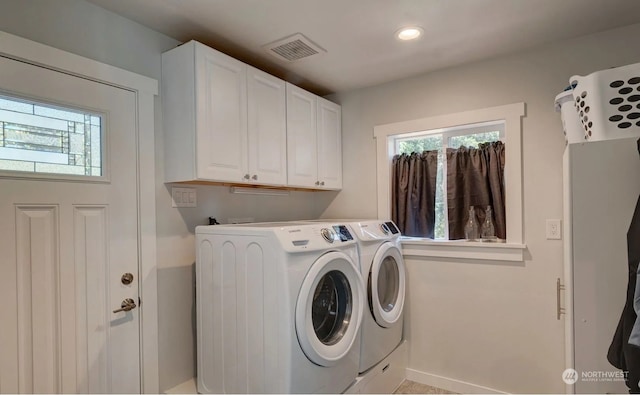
(488,232)
(471,228)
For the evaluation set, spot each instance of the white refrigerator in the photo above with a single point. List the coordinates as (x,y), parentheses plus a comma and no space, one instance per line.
(601,188)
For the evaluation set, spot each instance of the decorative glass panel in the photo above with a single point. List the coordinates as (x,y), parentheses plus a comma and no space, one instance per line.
(40,138)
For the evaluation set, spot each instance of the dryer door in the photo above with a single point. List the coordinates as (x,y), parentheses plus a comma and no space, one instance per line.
(329,308)
(386,285)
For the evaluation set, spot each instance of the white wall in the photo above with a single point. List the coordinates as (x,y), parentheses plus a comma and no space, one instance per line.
(488,324)
(82,28)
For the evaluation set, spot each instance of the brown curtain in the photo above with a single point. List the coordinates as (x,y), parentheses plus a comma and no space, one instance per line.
(475,177)
(413,193)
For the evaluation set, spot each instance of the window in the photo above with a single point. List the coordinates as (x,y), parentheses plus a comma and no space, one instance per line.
(439,140)
(41,138)
(511,117)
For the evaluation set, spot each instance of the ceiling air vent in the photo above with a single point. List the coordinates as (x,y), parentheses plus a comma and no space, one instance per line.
(293,48)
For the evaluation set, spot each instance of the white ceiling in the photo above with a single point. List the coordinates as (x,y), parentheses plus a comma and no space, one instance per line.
(358,35)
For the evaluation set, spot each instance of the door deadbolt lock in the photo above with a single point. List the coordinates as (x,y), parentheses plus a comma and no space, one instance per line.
(127,278)
(127,305)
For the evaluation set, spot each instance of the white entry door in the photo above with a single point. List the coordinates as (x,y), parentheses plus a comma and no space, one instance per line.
(67,240)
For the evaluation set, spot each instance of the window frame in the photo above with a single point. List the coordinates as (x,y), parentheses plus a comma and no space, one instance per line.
(446,135)
(511,115)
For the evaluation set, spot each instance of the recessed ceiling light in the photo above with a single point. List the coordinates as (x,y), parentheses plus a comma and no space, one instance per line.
(409,33)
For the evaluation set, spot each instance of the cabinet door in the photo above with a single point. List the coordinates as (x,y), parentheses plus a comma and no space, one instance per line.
(302,166)
(267,128)
(329,130)
(221,108)
(602,191)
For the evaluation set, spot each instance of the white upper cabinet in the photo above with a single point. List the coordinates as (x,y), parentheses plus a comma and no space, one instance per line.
(329,144)
(267,127)
(302,148)
(224,121)
(314,140)
(221,116)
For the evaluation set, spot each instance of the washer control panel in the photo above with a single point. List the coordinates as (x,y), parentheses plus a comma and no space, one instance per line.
(343,232)
(310,237)
(336,233)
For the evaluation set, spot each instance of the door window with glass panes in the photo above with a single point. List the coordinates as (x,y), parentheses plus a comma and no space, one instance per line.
(42,139)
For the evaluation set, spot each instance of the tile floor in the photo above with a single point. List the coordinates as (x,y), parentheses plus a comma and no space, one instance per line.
(411,387)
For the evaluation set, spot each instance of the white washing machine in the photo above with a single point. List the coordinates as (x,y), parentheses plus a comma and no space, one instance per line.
(383,271)
(279,308)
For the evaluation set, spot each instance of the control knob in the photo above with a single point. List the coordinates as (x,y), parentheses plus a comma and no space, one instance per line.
(327,234)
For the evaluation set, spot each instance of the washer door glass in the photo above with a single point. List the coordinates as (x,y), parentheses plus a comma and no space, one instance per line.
(386,285)
(329,308)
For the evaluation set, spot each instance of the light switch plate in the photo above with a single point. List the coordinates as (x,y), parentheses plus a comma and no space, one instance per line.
(183,197)
(554,229)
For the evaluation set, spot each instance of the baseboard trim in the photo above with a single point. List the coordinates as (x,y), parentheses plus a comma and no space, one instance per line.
(445,383)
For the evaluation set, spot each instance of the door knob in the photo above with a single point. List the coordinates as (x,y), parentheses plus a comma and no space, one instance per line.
(255,177)
(127,278)
(127,305)
(246,176)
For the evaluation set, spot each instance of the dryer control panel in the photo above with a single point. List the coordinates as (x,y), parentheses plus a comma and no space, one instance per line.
(375,230)
(392,227)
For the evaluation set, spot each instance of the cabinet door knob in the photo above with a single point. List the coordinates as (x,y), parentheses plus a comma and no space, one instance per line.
(246,176)
(317,182)
(322,183)
(254,177)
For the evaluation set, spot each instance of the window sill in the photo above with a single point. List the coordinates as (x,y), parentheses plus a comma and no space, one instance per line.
(476,250)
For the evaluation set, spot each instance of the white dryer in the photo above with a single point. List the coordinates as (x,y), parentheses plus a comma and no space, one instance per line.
(383,270)
(279,308)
